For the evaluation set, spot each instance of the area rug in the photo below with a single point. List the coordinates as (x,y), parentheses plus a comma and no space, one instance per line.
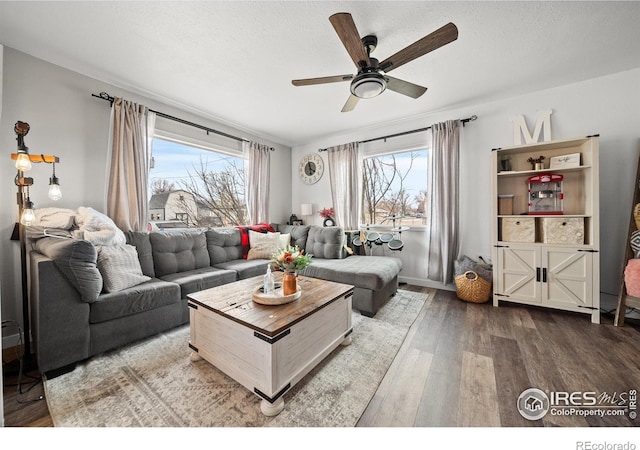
(153,383)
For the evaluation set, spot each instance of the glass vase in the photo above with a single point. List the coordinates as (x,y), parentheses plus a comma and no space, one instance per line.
(289,283)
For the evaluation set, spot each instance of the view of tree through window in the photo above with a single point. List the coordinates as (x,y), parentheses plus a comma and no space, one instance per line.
(395,185)
(194,187)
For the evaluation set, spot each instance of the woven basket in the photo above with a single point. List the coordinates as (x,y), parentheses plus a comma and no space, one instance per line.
(471,288)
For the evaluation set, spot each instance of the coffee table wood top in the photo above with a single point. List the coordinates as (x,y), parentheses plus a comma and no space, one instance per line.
(235,301)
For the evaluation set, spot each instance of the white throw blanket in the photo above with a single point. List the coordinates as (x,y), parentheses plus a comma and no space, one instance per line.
(98,228)
(84,223)
(55,218)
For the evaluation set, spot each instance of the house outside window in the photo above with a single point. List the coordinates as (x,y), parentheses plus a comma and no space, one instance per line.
(395,185)
(194,187)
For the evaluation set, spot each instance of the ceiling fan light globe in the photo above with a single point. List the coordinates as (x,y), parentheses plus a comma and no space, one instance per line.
(368,85)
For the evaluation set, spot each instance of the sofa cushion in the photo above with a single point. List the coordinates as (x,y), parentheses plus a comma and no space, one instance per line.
(245,268)
(263,245)
(298,234)
(191,281)
(140,240)
(143,297)
(325,242)
(178,251)
(119,267)
(368,272)
(77,260)
(223,245)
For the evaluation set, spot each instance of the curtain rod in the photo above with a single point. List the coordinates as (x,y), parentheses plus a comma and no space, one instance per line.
(110,99)
(464,121)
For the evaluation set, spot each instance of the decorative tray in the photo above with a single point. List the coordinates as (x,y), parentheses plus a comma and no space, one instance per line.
(276,298)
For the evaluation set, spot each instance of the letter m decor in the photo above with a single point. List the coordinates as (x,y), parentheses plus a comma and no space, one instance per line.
(520,128)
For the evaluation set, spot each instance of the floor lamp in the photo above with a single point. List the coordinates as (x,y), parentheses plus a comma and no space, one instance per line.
(27,216)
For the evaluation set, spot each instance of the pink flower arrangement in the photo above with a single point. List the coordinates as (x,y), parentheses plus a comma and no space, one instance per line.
(326,212)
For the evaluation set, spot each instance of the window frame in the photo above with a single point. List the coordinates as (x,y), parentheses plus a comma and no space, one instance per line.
(385,150)
(214,148)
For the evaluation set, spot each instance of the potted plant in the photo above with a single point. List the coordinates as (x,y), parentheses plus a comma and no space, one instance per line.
(327,215)
(536,163)
(290,260)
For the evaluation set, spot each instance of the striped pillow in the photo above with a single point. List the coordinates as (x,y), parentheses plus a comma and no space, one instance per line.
(120,267)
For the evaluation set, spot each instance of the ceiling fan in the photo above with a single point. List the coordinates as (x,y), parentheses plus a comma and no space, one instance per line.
(372,79)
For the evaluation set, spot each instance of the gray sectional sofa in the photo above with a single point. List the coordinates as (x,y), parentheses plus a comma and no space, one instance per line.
(74,316)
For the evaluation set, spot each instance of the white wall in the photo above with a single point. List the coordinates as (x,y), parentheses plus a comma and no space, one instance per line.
(1,265)
(68,122)
(609,106)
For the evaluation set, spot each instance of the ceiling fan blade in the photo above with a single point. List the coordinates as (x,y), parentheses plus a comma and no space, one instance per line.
(321,80)
(430,42)
(348,34)
(351,103)
(404,87)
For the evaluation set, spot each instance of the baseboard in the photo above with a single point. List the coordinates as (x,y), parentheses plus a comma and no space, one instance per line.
(10,341)
(426,283)
(8,354)
(609,303)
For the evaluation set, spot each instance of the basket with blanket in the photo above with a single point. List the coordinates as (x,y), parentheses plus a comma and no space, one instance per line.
(473,279)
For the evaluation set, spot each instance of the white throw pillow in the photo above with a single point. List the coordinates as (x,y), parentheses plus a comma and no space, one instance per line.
(285,241)
(120,267)
(263,245)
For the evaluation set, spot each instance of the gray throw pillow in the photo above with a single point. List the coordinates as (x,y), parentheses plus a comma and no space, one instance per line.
(120,267)
(77,260)
(325,242)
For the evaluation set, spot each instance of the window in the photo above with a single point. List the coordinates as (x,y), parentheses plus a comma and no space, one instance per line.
(195,187)
(395,184)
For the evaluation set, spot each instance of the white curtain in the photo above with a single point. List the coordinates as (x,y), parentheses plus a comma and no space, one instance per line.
(258,182)
(443,214)
(344,175)
(127,186)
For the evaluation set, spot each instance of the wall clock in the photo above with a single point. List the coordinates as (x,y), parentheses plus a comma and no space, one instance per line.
(311,168)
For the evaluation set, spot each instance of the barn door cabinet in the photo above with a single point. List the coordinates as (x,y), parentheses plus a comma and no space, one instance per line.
(547,258)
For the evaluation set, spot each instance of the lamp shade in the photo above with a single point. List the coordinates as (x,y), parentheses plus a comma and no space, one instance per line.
(306,209)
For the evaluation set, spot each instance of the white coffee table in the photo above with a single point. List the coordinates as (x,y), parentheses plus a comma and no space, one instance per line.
(268,349)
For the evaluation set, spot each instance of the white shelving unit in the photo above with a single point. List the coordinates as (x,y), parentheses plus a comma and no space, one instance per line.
(536,269)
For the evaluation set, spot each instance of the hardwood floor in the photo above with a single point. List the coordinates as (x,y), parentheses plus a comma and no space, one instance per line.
(24,403)
(465,364)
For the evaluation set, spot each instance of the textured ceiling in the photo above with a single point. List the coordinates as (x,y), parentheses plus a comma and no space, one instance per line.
(234,61)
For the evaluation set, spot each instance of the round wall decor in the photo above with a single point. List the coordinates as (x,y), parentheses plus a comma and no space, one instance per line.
(311,168)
